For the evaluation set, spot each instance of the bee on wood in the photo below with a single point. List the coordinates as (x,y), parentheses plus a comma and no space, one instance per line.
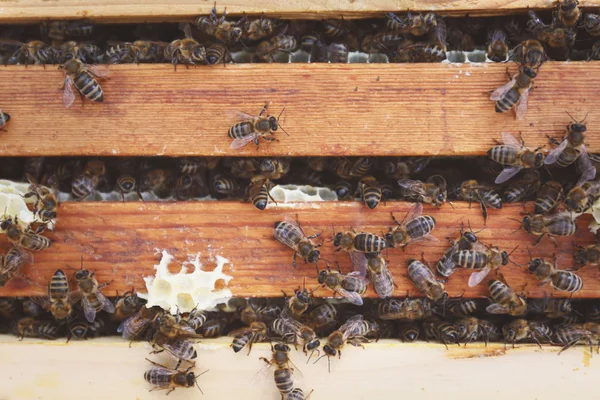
(358,243)
(552,35)
(485,195)
(35,328)
(118,52)
(23,238)
(46,203)
(258,29)
(523,188)
(553,225)
(33,52)
(127,306)
(421,52)
(530,53)
(582,197)
(563,280)
(350,286)
(483,258)
(217,53)
(92,298)
(144,51)
(514,156)
(422,277)
(268,49)
(413,227)
(470,329)
(12,263)
(171,327)
(589,255)
(4,118)
(256,332)
(353,331)
(59,299)
(591,23)
(548,197)
(408,309)
(570,335)
(258,191)
(370,191)
(440,330)
(251,128)
(164,378)
(379,275)
(568,13)
(186,51)
(446,265)
(461,307)
(521,329)
(298,303)
(515,93)
(181,349)
(506,300)
(433,191)
(82,77)
(220,28)
(134,326)
(497,49)
(291,234)
(292,331)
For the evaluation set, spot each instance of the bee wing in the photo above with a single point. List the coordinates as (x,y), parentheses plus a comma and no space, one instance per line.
(54,184)
(496,309)
(415,211)
(478,276)
(555,153)
(501,91)
(588,170)
(429,238)
(27,256)
(42,301)
(510,140)
(239,143)
(68,93)
(239,116)
(379,281)
(507,173)
(352,297)
(107,305)
(359,262)
(100,71)
(165,371)
(522,105)
(88,310)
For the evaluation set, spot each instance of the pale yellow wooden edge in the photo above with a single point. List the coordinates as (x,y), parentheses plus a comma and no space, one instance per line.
(109,369)
(162,10)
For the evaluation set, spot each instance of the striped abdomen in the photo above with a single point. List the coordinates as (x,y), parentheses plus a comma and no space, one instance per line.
(563,227)
(446,332)
(261,200)
(283,380)
(420,226)
(88,86)
(500,292)
(126,183)
(548,197)
(490,198)
(508,101)
(182,349)
(409,332)
(353,284)
(241,130)
(361,166)
(12,263)
(159,377)
(567,157)
(78,329)
(95,302)
(566,281)
(286,232)
(31,241)
(241,340)
(225,186)
(515,193)
(505,155)
(565,334)
(369,243)
(371,196)
(212,329)
(58,288)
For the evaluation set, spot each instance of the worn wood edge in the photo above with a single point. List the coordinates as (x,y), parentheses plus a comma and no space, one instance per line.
(446,104)
(120,241)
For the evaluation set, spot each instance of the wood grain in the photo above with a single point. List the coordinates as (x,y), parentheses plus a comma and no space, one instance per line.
(120,240)
(394,109)
(160,10)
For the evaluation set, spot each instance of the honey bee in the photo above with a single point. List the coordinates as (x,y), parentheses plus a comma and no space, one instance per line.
(409,309)
(251,128)
(225,186)
(220,28)
(506,300)
(521,329)
(274,168)
(317,49)
(196,319)
(323,317)
(582,197)
(568,13)
(409,332)
(545,272)
(531,54)
(421,52)
(213,328)
(440,330)
(185,51)
(468,329)
(347,169)
(164,378)
(486,196)
(593,313)
(84,51)
(591,23)
(421,24)
(35,328)
(548,197)
(433,191)
(497,49)
(554,225)
(570,335)
(297,394)
(514,156)
(46,203)
(118,52)
(446,265)
(172,327)
(181,349)
(291,234)
(370,191)
(83,186)
(461,307)
(402,168)
(158,181)
(395,23)
(298,303)
(423,279)
(350,286)
(292,331)
(268,49)
(344,190)
(58,301)
(336,28)
(258,29)
(481,257)
(4,118)
(92,298)
(127,306)
(357,243)
(553,36)
(144,51)
(282,373)
(353,331)
(12,263)
(135,325)
(265,313)
(338,53)
(217,53)
(551,308)
(379,275)
(589,255)
(83,78)
(413,227)
(523,188)
(80,329)
(59,31)
(256,332)
(34,52)
(515,92)
(258,191)
(127,184)
(23,238)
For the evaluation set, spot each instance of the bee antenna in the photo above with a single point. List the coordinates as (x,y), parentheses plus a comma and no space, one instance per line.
(196,380)
(451,205)
(584,118)
(572,116)
(513,250)
(313,352)
(318,359)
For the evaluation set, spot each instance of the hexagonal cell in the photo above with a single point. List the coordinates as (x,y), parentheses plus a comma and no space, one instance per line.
(282,57)
(456,56)
(477,56)
(162,288)
(300,57)
(241,57)
(185,301)
(294,193)
(378,58)
(357,57)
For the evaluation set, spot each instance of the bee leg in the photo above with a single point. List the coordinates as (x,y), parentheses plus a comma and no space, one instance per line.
(122,195)
(81,97)
(535,339)
(170,391)
(553,241)
(565,347)
(294,262)
(484,211)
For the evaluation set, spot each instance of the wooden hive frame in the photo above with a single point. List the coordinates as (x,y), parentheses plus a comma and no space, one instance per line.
(448,103)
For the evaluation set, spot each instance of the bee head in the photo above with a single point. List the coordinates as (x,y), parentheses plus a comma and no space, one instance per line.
(337,239)
(274,124)
(82,274)
(303,296)
(441,198)
(504,258)
(539,160)
(314,256)
(509,333)
(389,238)
(282,347)
(527,223)
(580,257)
(330,351)
(322,276)
(529,72)
(568,5)
(534,264)
(470,237)
(5,224)
(313,344)
(236,33)
(190,379)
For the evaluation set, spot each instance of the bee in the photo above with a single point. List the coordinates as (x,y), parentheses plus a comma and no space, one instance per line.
(225,186)
(523,188)
(482,258)
(4,118)
(591,23)
(472,190)
(84,51)
(350,286)
(422,52)
(10,308)
(297,394)
(185,51)
(79,329)
(46,203)
(409,332)
(409,309)
(446,265)
(213,328)
(595,53)
(268,49)
(568,13)
(379,275)
(282,373)
(497,49)
(292,331)
(521,329)
(144,51)
(553,36)
(298,303)
(291,234)
(220,28)
(548,197)
(158,181)
(506,300)
(515,92)
(265,313)
(127,306)
(554,225)
(370,191)
(258,29)
(359,242)
(35,328)
(461,307)
(531,54)
(251,128)
(469,329)
(421,24)
(338,53)
(589,255)
(58,301)
(514,156)
(582,197)
(127,184)
(256,332)
(83,186)
(183,189)
(181,349)
(135,325)
(551,308)
(92,298)
(170,327)
(433,191)
(353,331)
(217,53)
(118,52)
(422,277)
(83,78)
(545,272)
(395,23)
(440,330)
(593,313)
(274,168)
(59,31)
(413,227)
(569,335)
(323,317)
(163,378)
(347,169)
(12,263)
(344,190)
(336,28)
(317,49)
(258,191)
(23,238)
(33,52)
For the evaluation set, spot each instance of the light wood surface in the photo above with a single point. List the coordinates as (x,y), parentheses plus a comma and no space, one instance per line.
(108,368)
(381,109)
(161,10)
(119,242)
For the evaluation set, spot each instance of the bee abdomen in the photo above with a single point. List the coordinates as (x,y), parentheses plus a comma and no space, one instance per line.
(371,196)
(470,259)
(508,101)
(239,342)
(491,199)
(283,380)
(420,226)
(499,292)
(505,155)
(565,227)
(241,130)
(59,285)
(566,281)
(89,87)
(369,243)
(261,200)
(155,377)
(514,194)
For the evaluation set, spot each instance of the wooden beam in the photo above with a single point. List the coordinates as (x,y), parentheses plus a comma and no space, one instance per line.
(120,240)
(352,109)
(157,10)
